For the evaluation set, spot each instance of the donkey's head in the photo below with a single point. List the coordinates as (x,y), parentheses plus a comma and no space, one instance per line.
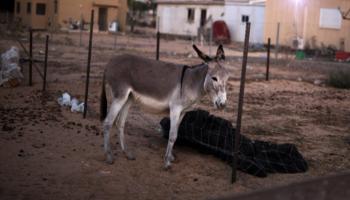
(217,76)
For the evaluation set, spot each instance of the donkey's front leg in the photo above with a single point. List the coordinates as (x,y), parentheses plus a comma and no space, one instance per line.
(175,120)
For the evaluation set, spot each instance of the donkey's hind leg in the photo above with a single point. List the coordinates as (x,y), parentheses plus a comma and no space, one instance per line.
(176,116)
(107,125)
(121,124)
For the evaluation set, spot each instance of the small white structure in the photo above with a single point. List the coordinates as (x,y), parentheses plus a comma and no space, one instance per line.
(184,17)
(238,12)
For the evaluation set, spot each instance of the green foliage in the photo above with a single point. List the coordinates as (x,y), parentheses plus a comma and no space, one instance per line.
(139,5)
(339,79)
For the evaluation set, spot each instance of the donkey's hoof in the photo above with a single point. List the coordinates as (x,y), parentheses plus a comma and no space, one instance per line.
(109,159)
(167,165)
(130,156)
(172,157)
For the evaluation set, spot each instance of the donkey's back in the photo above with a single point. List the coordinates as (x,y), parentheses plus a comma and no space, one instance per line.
(155,79)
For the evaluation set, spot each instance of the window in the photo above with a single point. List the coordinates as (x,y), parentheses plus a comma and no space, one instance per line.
(18,7)
(190,15)
(29,8)
(55,6)
(330,18)
(40,9)
(245,18)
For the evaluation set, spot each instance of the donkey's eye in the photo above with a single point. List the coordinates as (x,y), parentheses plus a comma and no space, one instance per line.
(214,78)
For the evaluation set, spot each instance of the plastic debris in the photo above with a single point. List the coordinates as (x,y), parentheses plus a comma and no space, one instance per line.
(76,107)
(73,103)
(65,100)
(10,72)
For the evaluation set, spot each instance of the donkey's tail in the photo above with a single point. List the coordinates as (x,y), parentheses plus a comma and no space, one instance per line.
(103,101)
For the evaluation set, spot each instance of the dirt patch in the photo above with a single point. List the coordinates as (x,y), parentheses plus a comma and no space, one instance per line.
(47,152)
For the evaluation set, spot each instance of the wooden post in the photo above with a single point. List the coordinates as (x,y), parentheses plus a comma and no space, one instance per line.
(88,64)
(30,57)
(268,59)
(45,64)
(240,104)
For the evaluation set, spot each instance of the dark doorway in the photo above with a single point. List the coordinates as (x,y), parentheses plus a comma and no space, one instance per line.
(102,19)
(7,8)
(203,17)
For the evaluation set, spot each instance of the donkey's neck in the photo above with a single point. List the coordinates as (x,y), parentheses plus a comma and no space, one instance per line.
(204,78)
(195,77)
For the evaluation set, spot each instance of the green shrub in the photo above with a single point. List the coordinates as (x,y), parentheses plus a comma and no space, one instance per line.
(339,79)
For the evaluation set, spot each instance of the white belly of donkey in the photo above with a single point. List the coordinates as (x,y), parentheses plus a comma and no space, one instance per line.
(150,104)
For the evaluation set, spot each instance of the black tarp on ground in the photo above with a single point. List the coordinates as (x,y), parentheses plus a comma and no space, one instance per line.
(215,135)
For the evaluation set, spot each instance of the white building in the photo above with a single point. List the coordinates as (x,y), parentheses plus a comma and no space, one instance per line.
(184,17)
(237,12)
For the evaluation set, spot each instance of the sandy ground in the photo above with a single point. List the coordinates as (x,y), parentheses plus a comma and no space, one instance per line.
(47,152)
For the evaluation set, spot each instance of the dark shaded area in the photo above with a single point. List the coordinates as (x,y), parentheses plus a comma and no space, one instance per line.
(215,135)
(335,187)
(7,6)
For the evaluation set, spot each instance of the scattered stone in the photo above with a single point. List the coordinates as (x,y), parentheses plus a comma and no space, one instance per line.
(7,128)
(21,153)
(39,146)
(105,172)
(317,82)
(347,140)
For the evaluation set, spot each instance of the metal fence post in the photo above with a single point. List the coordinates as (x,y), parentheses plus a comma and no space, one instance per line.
(268,59)
(158,37)
(30,57)
(88,64)
(277,39)
(45,64)
(115,34)
(240,104)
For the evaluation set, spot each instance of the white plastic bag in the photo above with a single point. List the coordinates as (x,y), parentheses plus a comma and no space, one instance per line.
(65,100)
(9,68)
(76,107)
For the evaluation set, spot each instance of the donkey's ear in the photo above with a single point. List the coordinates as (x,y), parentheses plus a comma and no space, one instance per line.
(220,54)
(201,54)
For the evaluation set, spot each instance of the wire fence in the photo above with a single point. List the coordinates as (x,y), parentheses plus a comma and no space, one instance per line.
(216,136)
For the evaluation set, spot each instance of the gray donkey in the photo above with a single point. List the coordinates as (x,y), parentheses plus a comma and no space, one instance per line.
(159,87)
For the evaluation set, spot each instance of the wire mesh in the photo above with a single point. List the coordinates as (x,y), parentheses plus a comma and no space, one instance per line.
(206,132)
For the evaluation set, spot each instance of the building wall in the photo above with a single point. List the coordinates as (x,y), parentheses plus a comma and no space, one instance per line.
(32,19)
(122,13)
(173,18)
(74,10)
(300,18)
(69,10)
(233,18)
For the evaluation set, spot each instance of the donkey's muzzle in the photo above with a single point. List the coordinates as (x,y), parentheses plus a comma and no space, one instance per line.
(220,105)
